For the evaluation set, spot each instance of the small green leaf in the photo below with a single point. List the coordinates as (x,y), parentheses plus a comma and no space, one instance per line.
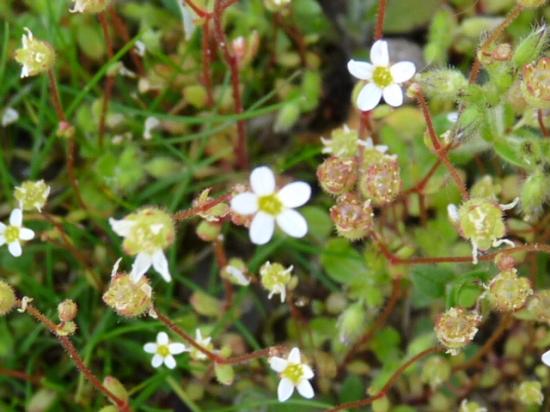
(431,281)
(342,262)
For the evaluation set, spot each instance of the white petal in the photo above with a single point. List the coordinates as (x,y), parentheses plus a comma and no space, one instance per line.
(162,338)
(360,70)
(305,389)
(369,97)
(452,210)
(150,347)
(15,249)
(262,181)
(308,372)
(177,348)
(141,265)
(379,54)
(292,223)
(261,229)
(121,227)
(393,95)
(285,389)
(245,203)
(157,361)
(278,364)
(295,194)
(2,227)
(26,234)
(546,358)
(170,362)
(2,239)
(16,217)
(402,71)
(294,356)
(161,265)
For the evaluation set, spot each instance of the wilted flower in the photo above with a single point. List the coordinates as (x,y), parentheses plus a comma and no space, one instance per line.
(32,195)
(205,342)
(275,278)
(352,216)
(35,56)
(128,298)
(456,328)
(163,351)
(14,233)
(508,292)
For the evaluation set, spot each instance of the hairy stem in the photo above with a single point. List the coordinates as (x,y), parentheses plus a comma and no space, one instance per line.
(56,99)
(379,29)
(188,213)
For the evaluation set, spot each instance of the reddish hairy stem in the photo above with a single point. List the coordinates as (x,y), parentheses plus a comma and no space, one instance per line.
(241,151)
(37,380)
(188,213)
(213,356)
(109,80)
(198,11)
(206,63)
(56,99)
(379,29)
(73,354)
(386,388)
(221,260)
(294,33)
(540,118)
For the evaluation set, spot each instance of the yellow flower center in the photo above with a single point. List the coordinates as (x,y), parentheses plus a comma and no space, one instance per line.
(294,372)
(163,351)
(11,234)
(382,77)
(270,204)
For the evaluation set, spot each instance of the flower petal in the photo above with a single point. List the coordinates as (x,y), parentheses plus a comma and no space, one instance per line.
(26,234)
(177,348)
(170,362)
(278,364)
(121,227)
(402,71)
(16,217)
(162,338)
(295,194)
(292,223)
(261,229)
(262,181)
(308,372)
(2,227)
(161,265)
(360,70)
(393,95)
(245,203)
(285,389)
(546,358)
(2,239)
(141,265)
(305,389)
(150,347)
(15,249)
(294,356)
(369,97)
(157,361)
(379,54)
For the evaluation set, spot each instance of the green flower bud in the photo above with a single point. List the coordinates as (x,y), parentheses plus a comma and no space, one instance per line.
(287,117)
(531,4)
(530,48)
(352,216)
(535,85)
(530,393)
(436,371)
(336,303)
(7,298)
(116,388)
(534,193)
(205,304)
(481,222)
(381,405)
(351,323)
(32,195)
(35,56)
(442,84)
(343,142)
(456,328)
(208,231)
(127,298)
(381,181)
(67,310)
(508,292)
(337,175)
(225,374)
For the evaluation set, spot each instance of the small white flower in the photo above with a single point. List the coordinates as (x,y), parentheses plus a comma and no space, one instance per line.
(151,123)
(270,206)
(14,232)
(163,351)
(9,116)
(383,79)
(204,342)
(294,374)
(546,358)
(237,275)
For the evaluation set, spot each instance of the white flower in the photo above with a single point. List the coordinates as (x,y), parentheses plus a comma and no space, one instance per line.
(164,350)
(546,358)
(204,342)
(15,232)
(294,374)
(270,206)
(383,79)
(9,116)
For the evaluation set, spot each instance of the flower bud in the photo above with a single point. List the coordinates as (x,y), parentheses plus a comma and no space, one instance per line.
(535,85)
(435,371)
(225,374)
(235,272)
(67,310)
(531,4)
(481,221)
(206,305)
(35,56)
(505,261)
(127,298)
(275,278)
(343,142)
(534,193)
(66,328)
(351,323)
(530,393)
(208,231)
(89,6)
(116,388)
(530,48)
(32,195)
(508,292)
(442,84)
(456,328)
(381,181)
(352,217)
(485,188)
(211,214)
(337,175)
(7,298)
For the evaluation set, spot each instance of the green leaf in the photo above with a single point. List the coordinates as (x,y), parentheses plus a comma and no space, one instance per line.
(431,281)
(319,223)
(342,262)
(352,389)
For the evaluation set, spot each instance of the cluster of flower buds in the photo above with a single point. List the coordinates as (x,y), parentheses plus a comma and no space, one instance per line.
(456,328)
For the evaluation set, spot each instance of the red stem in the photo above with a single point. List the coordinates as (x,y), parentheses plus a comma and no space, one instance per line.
(379,29)
(207,62)
(122,31)
(540,118)
(188,213)
(56,99)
